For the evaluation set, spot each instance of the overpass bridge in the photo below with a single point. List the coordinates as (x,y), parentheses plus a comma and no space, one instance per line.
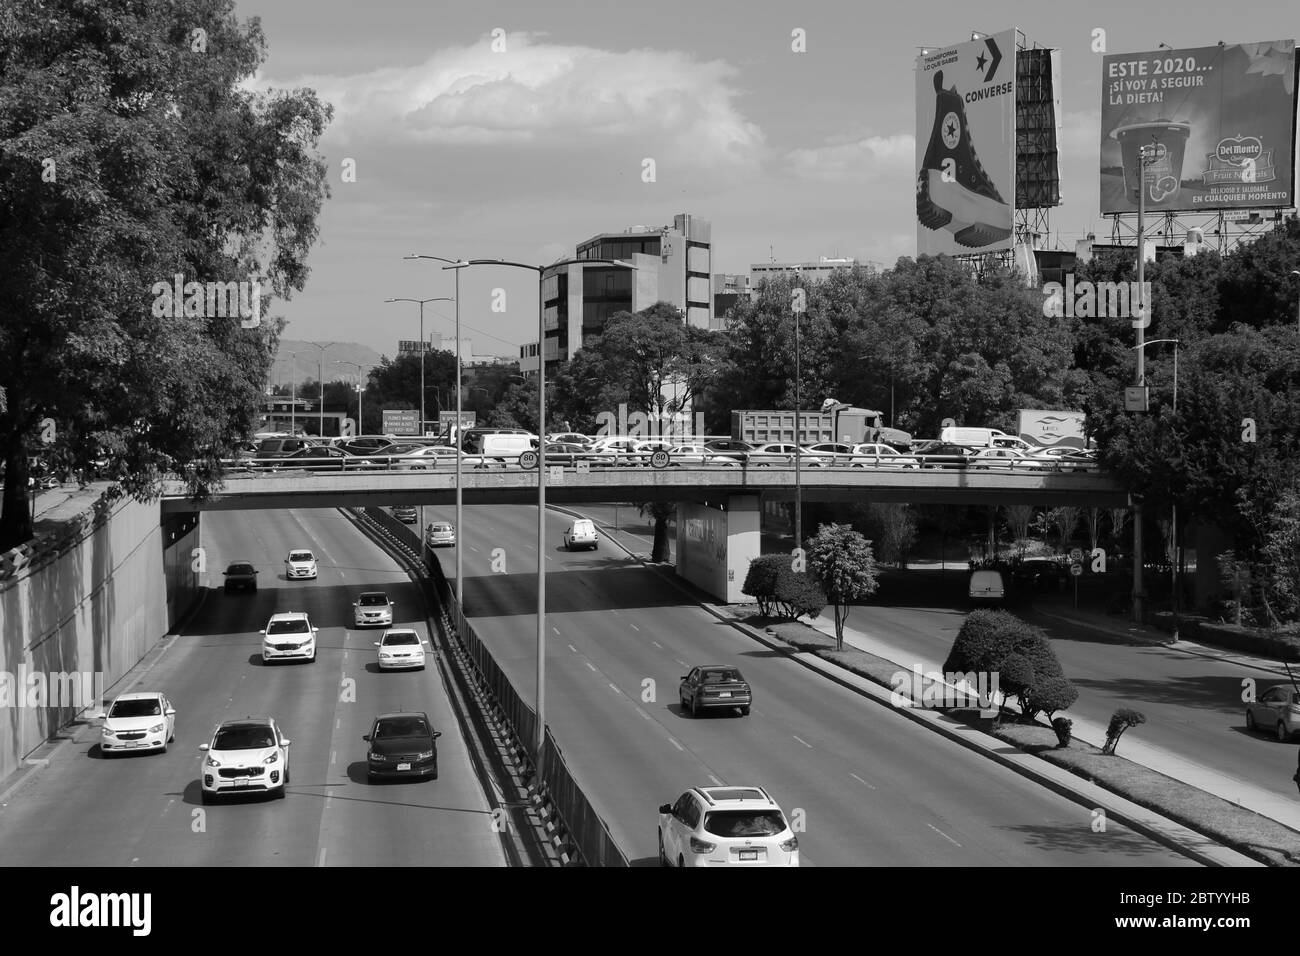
(718,508)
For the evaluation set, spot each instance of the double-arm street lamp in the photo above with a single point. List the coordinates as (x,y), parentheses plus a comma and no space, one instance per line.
(1146,156)
(360,388)
(321,376)
(423,347)
(539,739)
(293,390)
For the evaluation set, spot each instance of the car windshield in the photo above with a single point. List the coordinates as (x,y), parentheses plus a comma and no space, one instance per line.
(244,738)
(374,599)
(240,569)
(401,727)
(300,556)
(441,527)
(744,823)
(287,627)
(722,676)
(135,708)
(401,637)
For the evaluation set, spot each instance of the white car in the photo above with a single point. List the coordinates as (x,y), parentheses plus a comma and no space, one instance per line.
(878,455)
(289,636)
(440,534)
(694,455)
(140,721)
(372,609)
(400,648)
(245,756)
(987,458)
(439,458)
(779,454)
(581,534)
(725,826)
(300,564)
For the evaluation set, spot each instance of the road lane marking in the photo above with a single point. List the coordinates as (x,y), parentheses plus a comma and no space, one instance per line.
(615,610)
(860,780)
(716,781)
(634,627)
(674,742)
(321,861)
(644,714)
(657,644)
(555,629)
(589,664)
(682,662)
(333,756)
(615,689)
(802,741)
(942,834)
(572,648)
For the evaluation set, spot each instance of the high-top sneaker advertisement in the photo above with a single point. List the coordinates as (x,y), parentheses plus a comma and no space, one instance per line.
(965,142)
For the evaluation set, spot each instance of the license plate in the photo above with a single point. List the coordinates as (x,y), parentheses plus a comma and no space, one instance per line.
(241,781)
(403,766)
(725,693)
(749,854)
(133,743)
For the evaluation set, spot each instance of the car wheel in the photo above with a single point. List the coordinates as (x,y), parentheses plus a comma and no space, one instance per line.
(279,794)
(695,707)
(744,712)
(1282,734)
(229,589)
(1250,721)
(163,748)
(663,857)
(312,659)
(681,862)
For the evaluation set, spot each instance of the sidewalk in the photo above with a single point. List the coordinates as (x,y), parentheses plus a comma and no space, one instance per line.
(1284,810)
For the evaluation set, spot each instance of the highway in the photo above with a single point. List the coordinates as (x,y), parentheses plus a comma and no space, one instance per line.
(873,787)
(145,810)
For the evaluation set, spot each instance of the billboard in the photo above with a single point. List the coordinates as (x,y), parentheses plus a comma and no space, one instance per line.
(966,147)
(1220,121)
(401,421)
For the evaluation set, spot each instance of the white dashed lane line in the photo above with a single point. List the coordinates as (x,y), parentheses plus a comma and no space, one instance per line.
(615,689)
(716,781)
(590,665)
(942,834)
(572,648)
(802,741)
(634,627)
(861,781)
(673,741)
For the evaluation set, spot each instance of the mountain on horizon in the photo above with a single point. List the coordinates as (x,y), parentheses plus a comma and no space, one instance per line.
(307,361)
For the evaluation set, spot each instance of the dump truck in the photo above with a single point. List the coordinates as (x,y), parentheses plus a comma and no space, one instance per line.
(835,422)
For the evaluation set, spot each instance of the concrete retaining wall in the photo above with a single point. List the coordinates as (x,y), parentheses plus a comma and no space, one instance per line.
(92,609)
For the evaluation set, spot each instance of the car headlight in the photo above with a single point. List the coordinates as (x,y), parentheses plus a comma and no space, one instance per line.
(212,761)
(273,758)
(378,757)
(157,728)
(427,755)
(109,733)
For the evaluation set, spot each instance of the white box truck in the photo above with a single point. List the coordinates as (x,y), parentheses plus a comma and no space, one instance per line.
(1044,428)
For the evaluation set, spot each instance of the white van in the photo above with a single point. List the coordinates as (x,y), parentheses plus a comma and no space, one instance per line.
(581,534)
(971,437)
(986,587)
(504,447)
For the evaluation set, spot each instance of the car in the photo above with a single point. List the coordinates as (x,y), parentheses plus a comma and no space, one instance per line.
(300,563)
(278,447)
(946,456)
(1019,444)
(878,455)
(390,456)
(834,453)
(407,514)
(440,534)
(137,722)
(240,576)
(245,756)
(715,687)
(438,457)
(400,647)
(783,455)
(562,454)
(1276,710)
(570,438)
(1041,573)
(616,451)
(729,448)
(366,444)
(695,455)
(402,745)
(581,534)
(322,458)
(289,636)
(372,609)
(1004,458)
(726,826)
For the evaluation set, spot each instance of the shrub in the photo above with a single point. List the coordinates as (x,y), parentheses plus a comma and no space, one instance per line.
(1047,695)
(798,593)
(1120,721)
(760,580)
(983,642)
(1063,726)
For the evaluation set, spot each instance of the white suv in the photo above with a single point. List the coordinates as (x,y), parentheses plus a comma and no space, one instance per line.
(289,636)
(246,756)
(725,826)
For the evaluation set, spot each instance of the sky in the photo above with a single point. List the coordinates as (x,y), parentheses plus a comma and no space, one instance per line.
(522,151)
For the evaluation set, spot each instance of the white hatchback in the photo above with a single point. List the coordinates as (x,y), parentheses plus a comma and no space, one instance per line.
(300,564)
(725,826)
(137,722)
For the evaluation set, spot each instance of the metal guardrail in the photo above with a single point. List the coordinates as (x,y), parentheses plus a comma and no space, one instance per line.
(584,825)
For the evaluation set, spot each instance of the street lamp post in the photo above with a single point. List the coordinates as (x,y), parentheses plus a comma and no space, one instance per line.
(1173,507)
(321,375)
(1147,156)
(539,737)
(360,388)
(1296,272)
(797,307)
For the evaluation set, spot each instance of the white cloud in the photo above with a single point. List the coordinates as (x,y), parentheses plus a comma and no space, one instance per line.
(550,96)
(868,158)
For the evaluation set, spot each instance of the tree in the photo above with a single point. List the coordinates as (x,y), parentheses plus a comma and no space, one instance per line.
(660,511)
(893,526)
(760,580)
(1120,721)
(841,561)
(128,157)
(1018,517)
(1093,516)
(1066,520)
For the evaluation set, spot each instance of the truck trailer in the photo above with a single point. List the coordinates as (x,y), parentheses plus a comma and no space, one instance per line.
(836,423)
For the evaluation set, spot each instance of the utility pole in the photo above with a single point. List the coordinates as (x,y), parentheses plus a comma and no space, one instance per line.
(1147,157)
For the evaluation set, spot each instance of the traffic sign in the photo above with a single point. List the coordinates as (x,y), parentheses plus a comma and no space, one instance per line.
(1076,569)
(1136,398)
(1076,556)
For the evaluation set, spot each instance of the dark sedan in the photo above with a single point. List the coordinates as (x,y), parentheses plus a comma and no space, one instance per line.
(947,456)
(402,745)
(322,458)
(715,687)
(240,576)
(567,454)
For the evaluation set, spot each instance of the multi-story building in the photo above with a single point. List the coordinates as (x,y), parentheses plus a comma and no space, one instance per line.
(727,291)
(813,271)
(672,265)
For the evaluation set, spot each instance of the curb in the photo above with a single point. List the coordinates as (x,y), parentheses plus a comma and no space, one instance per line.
(917,716)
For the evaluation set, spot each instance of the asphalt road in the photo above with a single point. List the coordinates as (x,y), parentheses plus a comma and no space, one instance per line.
(83,810)
(871,786)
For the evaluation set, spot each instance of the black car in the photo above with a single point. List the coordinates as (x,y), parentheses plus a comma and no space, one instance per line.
(402,745)
(240,576)
(729,448)
(715,687)
(407,514)
(1040,574)
(321,458)
(947,456)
